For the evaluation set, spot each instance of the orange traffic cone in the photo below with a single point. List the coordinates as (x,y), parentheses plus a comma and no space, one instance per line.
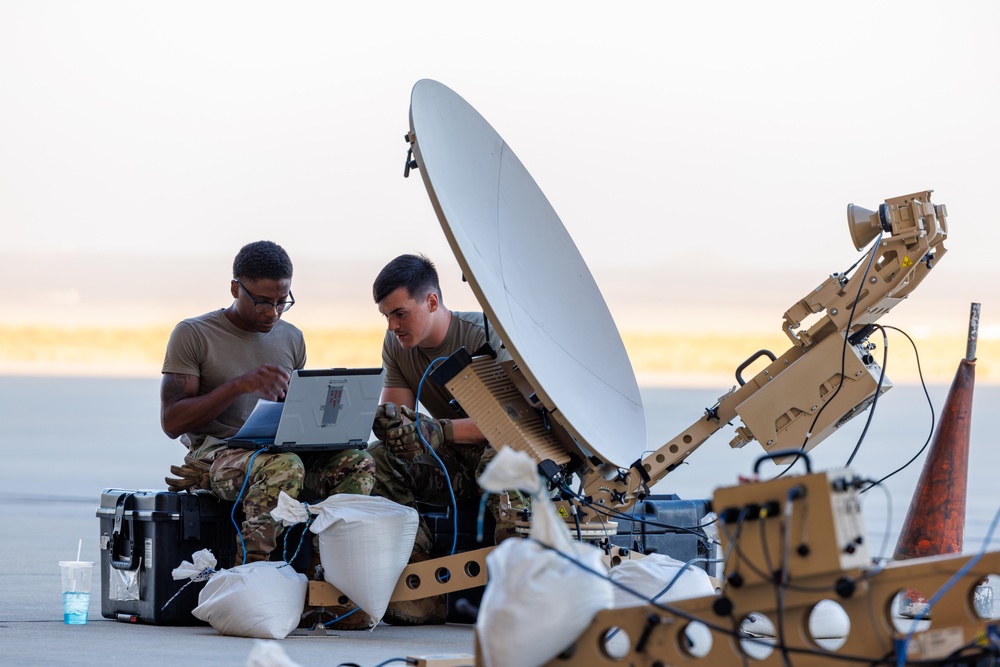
(935,521)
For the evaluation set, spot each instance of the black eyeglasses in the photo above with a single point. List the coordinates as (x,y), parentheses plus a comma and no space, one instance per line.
(265,306)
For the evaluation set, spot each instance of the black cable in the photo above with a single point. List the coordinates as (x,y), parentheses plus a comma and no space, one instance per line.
(578,495)
(878,393)
(764,548)
(783,580)
(618,514)
(737,630)
(782,575)
(930,403)
(659,605)
(778,597)
(765,576)
(631,517)
(670,584)
(405,661)
(888,515)
(683,568)
(733,539)
(955,659)
(734,545)
(576,520)
(675,611)
(981,651)
(843,353)
(783,584)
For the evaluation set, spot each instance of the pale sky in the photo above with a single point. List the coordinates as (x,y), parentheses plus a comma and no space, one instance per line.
(701,155)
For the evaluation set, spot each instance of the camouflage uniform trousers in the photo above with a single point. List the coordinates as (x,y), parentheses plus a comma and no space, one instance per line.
(421,479)
(307,477)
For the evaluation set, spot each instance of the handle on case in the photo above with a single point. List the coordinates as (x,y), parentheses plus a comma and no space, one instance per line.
(123,531)
(754,357)
(798,453)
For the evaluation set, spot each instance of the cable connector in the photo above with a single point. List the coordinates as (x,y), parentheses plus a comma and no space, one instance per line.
(550,470)
(861,334)
(770,509)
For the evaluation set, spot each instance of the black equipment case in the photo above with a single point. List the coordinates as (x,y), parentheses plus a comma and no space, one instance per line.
(463,606)
(665,524)
(144,536)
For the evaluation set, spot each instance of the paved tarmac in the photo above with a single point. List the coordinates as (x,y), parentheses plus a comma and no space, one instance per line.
(44,530)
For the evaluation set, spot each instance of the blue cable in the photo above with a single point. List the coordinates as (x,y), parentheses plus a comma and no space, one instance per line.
(481,515)
(302,537)
(340,618)
(232,513)
(232,517)
(681,571)
(447,477)
(239,532)
(683,568)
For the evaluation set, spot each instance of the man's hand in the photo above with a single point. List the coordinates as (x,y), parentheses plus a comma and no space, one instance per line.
(184,410)
(191,475)
(268,381)
(387,417)
(405,442)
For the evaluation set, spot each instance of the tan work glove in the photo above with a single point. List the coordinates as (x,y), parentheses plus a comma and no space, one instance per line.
(405,442)
(386,417)
(191,475)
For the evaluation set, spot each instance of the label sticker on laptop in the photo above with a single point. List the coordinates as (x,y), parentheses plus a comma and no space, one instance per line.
(333,405)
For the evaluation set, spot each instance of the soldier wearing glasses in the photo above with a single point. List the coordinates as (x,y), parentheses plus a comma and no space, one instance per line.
(216,367)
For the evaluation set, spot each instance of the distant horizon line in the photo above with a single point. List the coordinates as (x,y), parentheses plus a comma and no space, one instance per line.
(148,291)
(645,380)
(701,358)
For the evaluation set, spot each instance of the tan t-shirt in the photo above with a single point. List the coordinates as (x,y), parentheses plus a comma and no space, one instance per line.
(404,368)
(216,351)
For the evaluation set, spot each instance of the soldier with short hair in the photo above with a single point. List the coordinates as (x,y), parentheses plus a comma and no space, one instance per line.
(419,330)
(216,367)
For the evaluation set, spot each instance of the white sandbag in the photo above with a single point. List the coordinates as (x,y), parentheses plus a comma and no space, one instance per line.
(648,576)
(534,594)
(269,654)
(263,600)
(364,544)
(511,469)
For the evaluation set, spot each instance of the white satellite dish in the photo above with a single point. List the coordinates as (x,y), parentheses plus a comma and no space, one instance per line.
(529,276)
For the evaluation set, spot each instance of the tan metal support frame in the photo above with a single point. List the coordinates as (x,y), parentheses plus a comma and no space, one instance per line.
(652,636)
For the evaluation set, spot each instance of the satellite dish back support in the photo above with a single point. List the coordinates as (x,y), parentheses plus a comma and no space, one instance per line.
(528,275)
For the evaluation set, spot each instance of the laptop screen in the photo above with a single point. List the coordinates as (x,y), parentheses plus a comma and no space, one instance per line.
(323,409)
